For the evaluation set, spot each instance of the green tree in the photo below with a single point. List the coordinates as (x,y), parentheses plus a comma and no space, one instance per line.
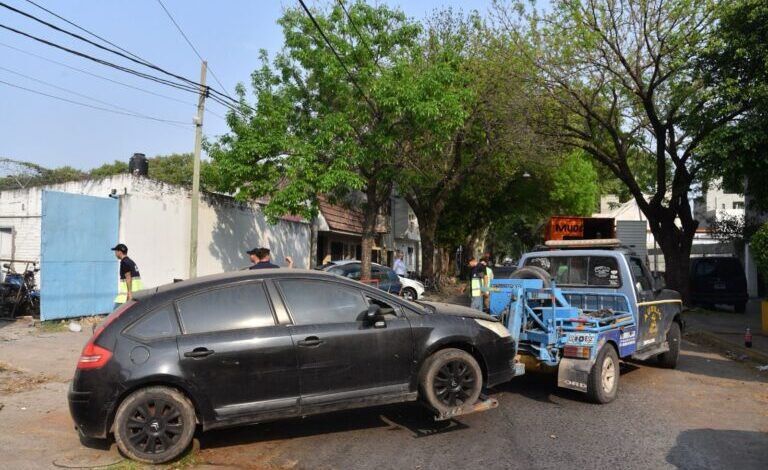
(470,139)
(624,81)
(109,169)
(312,129)
(574,188)
(734,68)
(759,248)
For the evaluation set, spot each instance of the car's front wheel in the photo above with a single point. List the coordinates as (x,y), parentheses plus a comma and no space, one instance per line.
(409,293)
(450,379)
(154,425)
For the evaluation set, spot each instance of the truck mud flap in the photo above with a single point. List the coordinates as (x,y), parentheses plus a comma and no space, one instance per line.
(483,403)
(574,374)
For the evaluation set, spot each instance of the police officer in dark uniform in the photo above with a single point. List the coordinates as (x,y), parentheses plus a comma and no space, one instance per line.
(130,279)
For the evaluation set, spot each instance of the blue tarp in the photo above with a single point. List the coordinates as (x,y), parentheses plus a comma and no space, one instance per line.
(79,272)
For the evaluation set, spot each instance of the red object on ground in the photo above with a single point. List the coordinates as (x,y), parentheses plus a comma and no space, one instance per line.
(748,338)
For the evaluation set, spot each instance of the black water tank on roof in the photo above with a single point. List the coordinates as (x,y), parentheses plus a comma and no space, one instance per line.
(138,165)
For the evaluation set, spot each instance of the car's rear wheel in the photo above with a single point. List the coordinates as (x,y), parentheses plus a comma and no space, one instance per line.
(409,293)
(154,425)
(603,380)
(450,379)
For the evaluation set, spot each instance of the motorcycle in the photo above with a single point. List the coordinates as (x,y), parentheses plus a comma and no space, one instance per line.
(18,293)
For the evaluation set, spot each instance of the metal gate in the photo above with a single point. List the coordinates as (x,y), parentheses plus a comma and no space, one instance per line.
(79,272)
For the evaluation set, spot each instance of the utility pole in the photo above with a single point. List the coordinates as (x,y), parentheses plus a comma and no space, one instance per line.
(196,172)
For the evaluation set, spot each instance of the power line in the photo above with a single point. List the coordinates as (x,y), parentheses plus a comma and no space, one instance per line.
(86,105)
(338,57)
(101,77)
(190,43)
(359,34)
(66,90)
(194,84)
(180,86)
(84,30)
(134,58)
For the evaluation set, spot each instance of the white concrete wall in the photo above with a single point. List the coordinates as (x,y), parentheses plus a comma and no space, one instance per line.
(154,224)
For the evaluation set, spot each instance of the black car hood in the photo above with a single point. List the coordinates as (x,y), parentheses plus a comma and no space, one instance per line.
(459,311)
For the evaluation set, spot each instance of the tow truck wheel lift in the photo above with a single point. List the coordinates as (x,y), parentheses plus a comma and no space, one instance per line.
(550,333)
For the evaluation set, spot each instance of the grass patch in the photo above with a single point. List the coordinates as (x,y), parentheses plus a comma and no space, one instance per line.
(187,460)
(53,326)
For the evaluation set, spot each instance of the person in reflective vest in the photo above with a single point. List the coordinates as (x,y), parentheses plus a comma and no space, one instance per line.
(477,283)
(486,261)
(130,279)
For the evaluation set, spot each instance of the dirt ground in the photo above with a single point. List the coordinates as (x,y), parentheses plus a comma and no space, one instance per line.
(710,413)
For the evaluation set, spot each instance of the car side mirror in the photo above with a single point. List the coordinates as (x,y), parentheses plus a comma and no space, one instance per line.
(373,313)
(7,265)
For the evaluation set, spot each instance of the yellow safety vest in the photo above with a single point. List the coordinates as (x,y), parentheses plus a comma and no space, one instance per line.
(475,284)
(122,289)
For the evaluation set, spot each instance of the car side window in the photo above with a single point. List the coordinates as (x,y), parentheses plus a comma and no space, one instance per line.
(386,307)
(228,308)
(316,302)
(161,323)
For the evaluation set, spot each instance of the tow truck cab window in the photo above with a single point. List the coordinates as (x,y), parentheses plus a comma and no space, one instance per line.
(580,271)
(640,277)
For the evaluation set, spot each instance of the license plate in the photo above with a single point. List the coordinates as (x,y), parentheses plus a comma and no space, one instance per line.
(720,286)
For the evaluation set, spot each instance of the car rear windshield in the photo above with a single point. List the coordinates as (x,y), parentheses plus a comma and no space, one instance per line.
(580,271)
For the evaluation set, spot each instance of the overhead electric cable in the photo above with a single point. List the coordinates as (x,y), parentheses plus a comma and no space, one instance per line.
(43,82)
(164,81)
(62,64)
(338,57)
(360,36)
(196,85)
(86,105)
(199,56)
(85,30)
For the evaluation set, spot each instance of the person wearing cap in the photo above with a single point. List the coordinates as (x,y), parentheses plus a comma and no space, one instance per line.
(130,279)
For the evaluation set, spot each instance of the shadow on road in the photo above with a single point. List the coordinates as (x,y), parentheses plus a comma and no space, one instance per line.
(716,449)
(702,360)
(542,386)
(412,418)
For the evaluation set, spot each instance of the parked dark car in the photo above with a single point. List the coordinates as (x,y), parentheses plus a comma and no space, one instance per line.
(718,280)
(256,346)
(385,278)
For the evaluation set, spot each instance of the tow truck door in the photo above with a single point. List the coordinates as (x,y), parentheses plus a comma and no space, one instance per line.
(649,314)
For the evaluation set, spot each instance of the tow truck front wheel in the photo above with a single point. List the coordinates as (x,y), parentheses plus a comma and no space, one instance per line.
(603,381)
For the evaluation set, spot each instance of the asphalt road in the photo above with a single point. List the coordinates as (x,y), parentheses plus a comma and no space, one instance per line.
(711,413)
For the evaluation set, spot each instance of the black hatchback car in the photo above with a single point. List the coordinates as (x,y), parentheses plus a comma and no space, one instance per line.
(255,346)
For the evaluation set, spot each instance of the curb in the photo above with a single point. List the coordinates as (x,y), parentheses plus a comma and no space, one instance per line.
(756,356)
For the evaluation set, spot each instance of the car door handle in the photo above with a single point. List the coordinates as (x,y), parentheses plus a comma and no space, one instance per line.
(310,341)
(199,353)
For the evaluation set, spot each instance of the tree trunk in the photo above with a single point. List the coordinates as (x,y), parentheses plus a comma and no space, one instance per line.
(675,242)
(427,231)
(370,212)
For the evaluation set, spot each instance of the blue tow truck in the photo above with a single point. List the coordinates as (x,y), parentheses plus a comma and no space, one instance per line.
(581,305)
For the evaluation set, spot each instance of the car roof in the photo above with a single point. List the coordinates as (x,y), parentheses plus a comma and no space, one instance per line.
(213,280)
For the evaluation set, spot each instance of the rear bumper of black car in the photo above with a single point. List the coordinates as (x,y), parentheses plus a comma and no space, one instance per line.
(90,418)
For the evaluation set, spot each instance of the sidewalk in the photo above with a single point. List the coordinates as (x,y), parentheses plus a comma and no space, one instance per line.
(727,329)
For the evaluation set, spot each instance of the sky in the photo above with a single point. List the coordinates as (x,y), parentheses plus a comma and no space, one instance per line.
(52,133)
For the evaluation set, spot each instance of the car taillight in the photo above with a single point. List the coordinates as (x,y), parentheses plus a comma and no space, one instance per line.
(578,352)
(93,355)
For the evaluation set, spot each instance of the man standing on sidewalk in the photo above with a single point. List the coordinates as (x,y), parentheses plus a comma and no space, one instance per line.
(260,257)
(400,268)
(130,279)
